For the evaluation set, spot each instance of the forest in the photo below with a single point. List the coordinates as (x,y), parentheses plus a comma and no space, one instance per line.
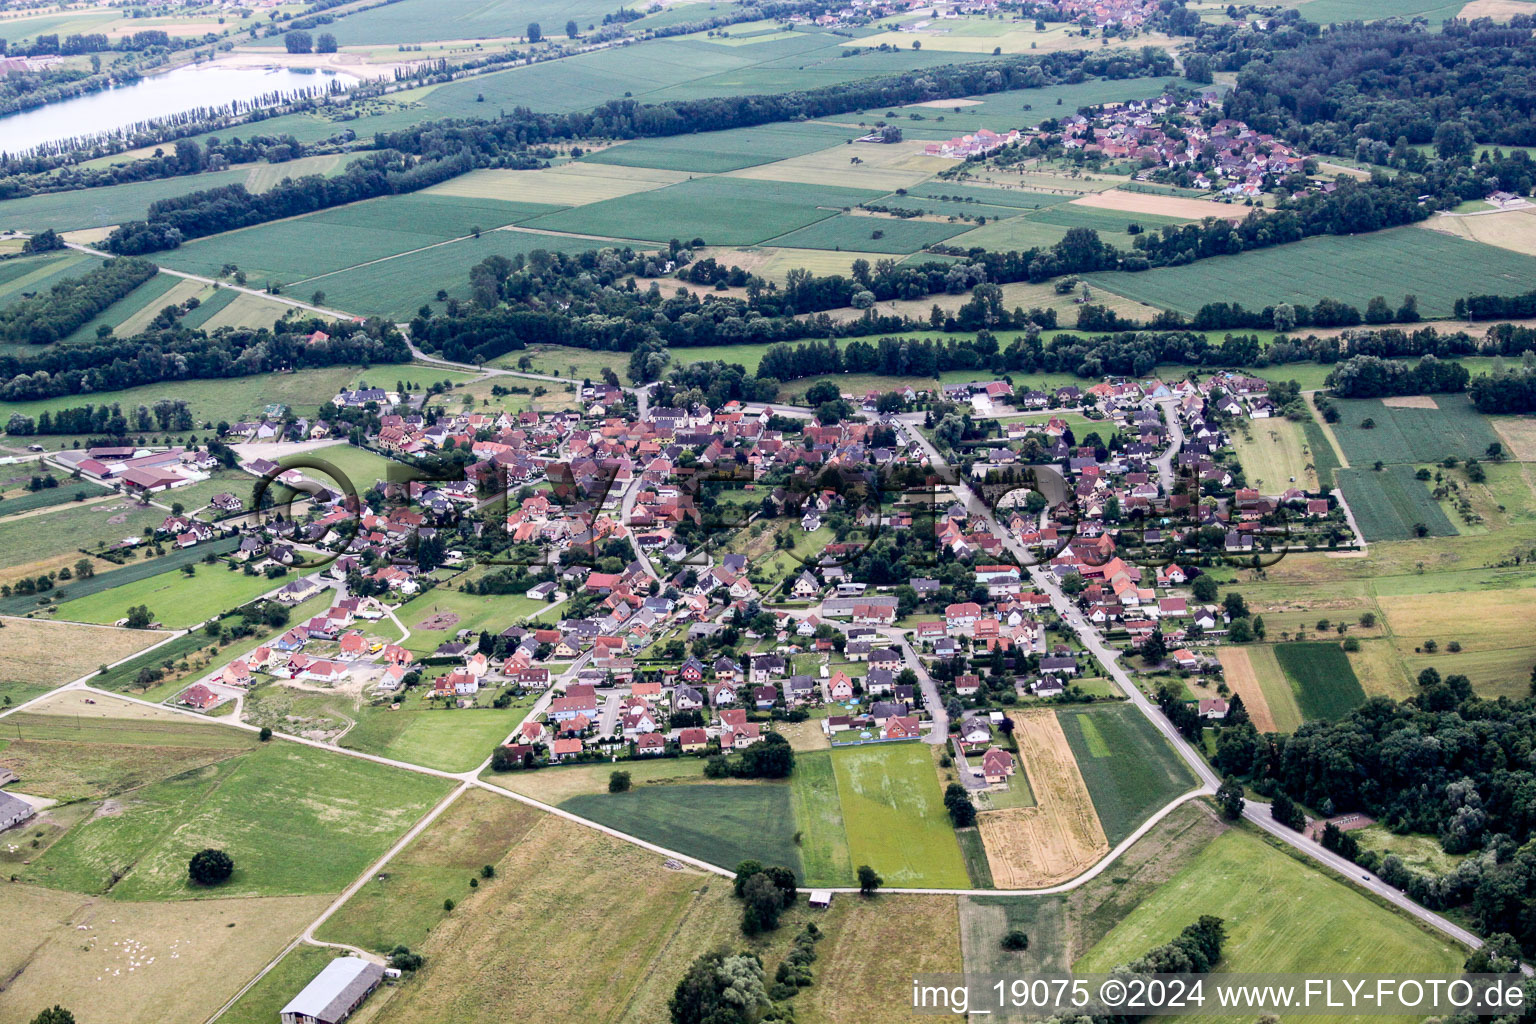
(1367,376)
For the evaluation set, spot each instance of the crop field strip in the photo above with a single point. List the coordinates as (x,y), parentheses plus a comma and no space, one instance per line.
(1437,268)
(1325,684)
(1443,425)
(1255,675)
(731,150)
(1391,504)
(857,233)
(1132,774)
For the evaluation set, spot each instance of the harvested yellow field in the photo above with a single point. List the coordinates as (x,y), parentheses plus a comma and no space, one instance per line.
(946,104)
(1162,206)
(138,962)
(1409,402)
(575,184)
(1380,671)
(54,653)
(879,167)
(1518,434)
(248,310)
(775,264)
(1488,620)
(1507,229)
(858,981)
(1019,293)
(73,704)
(1498,10)
(1238,670)
(1060,837)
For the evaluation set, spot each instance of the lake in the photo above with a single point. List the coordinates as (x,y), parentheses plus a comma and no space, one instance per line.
(154,96)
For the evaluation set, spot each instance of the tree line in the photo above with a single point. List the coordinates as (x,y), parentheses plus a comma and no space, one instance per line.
(1367,376)
(55,314)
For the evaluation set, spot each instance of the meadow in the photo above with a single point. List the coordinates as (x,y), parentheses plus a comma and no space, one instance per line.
(1281,915)
(1411,434)
(66,757)
(715,152)
(449,740)
(1438,268)
(1324,683)
(894,815)
(721,210)
(1494,628)
(403,903)
(252,806)
(175,599)
(142,963)
(723,825)
(576,925)
(265,999)
(70,528)
(474,612)
(1275,454)
(43,653)
(819,819)
(1391,504)
(1130,770)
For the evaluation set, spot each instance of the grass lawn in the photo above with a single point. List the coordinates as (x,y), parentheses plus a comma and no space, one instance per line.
(1281,915)
(557,784)
(174,598)
(491,612)
(1321,676)
(453,741)
(405,902)
(819,820)
(1130,770)
(255,807)
(723,825)
(895,816)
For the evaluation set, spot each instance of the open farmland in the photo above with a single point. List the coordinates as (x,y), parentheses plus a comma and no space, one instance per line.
(1275,455)
(71,528)
(1494,627)
(819,819)
(721,210)
(751,822)
(1390,504)
(138,963)
(1435,427)
(174,598)
(299,249)
(895,817)
(348,810)
(870,234)
(1438,268)
(572,184)
(1058,838)
(1324,683)
(1280,915)
(151,295)
(714,152)
(1508,229)
(1130,770)
(1255,675)
(881,166)
(405,902)
(101,207)
(52,653)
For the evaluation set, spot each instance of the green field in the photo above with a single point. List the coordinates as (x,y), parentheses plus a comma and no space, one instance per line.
(420,21)
(300,250)
(265,999)
(1400,434)
(895,816)
(723,825)
(721,210)
(715,152)
(146,297)
(1281,915)
(1352,269)
(1327,12)
(295,820)
(63,494)
(100,207)
(857,234)
(964,198)
(819,819)
(1321,676)
(494,613)
(228,398)
(1130,770)
(1390,503)
(23,541)
(450,740)
(397,287)
(401,904)
(175,599)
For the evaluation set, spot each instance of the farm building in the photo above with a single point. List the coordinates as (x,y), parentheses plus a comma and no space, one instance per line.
(13,811)
(334,993)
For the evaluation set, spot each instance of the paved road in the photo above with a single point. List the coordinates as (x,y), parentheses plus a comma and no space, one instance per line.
(940,731)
